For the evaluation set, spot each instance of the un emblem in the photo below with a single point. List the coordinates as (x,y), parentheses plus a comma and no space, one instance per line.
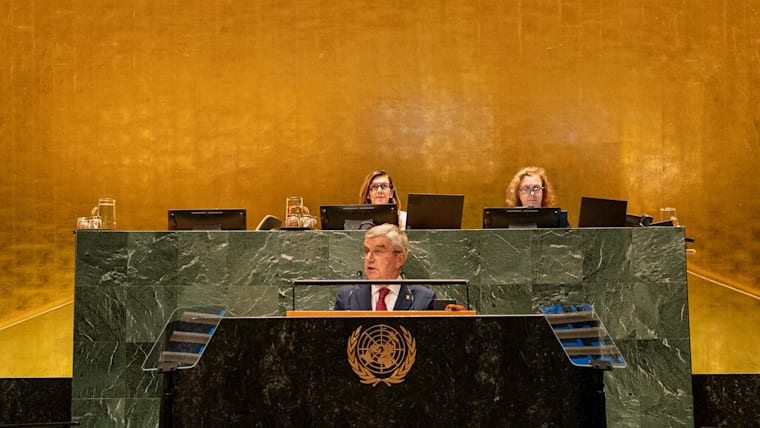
(381,354)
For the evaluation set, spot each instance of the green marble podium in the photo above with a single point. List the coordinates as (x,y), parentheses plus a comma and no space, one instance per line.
(128,283)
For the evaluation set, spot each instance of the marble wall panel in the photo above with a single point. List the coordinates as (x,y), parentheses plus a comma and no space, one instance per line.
(203,259)
(100,313)
(548,294)
(253,259)
(99,370)
(128,284)
(663,382)
(345,256)
(303,255)
(493,299)
(142,412)
(557,257)
(101,258)
(640,310)
(443,255)
(144,384)
(96,412)
(658,257)
(506,257)
(146,309)
(152,258)
(606,257)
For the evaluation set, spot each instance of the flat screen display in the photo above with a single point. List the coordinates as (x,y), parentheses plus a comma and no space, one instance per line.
(207,219)
(434,211)
(357,217)
(522,218)
(598,212)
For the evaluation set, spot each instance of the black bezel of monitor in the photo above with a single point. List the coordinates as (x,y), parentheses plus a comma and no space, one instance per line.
(601,212)
(207,219)
(522,218)
(357,216)
(434,211)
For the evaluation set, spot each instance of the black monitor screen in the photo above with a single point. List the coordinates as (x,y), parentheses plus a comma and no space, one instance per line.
(599,212)
(434,211)
(357,217)
(207,219)
(522,218)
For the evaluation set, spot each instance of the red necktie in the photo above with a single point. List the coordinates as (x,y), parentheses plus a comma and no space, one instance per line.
(380,306)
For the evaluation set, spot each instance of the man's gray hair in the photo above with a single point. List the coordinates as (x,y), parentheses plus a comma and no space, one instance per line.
(398,238)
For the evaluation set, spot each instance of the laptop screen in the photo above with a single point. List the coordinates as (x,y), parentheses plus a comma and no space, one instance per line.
(597,212)
(434,211)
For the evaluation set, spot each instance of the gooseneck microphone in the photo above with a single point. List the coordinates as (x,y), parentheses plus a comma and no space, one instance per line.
(350,296)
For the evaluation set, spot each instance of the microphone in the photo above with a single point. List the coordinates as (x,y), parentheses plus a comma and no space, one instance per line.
(350,295)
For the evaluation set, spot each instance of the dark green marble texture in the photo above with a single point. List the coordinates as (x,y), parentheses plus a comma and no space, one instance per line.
(280,372)
(128,283)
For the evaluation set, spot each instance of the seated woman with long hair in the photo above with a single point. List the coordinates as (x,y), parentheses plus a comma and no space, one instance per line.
(378,188)
(530,188)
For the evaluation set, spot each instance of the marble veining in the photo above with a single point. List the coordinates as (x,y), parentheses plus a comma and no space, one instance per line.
(261,369)
(128,284)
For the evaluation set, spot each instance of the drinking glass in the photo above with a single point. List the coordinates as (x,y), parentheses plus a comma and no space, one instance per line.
(95,222)
(83,223)
(106,209)
(309,221)
(293,211)
(669,214)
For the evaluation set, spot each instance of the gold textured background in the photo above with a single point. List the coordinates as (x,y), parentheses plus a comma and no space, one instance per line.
(188,104)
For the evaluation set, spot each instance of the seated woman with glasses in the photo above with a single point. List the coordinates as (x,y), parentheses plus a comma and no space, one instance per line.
(530,188)
(378,188)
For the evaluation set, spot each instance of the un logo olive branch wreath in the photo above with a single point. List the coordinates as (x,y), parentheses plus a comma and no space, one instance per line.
(369,377)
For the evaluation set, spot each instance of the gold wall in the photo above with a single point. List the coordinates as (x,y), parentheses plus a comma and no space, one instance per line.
(166,104)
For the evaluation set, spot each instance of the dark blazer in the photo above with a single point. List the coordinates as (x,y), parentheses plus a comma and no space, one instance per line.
(359,298)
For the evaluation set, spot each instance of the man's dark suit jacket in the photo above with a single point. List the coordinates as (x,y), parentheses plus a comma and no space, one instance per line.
(359,298)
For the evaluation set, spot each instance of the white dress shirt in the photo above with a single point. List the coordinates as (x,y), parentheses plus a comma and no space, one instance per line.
(390,298)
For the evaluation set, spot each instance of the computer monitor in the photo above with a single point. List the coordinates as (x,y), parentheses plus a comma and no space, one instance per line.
(434,211)
(522,218)
(207,219)
(598,212)
(357,216)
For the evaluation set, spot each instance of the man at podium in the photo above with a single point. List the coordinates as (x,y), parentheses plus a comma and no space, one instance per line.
(386,248)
